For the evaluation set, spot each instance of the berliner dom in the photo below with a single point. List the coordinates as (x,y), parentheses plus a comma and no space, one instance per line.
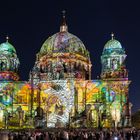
(60,92)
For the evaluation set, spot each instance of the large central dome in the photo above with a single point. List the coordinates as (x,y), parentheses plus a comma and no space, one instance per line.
(63,42)
(63,56)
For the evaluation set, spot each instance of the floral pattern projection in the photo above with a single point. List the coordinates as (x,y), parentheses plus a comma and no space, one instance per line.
(104,100)
(12,96)
(56,100)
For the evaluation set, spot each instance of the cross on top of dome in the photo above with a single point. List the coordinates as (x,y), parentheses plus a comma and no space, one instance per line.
(7,38)
(112,35)
(64,12)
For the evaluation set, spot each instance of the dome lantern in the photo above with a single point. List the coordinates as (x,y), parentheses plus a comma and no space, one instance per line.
(63,27)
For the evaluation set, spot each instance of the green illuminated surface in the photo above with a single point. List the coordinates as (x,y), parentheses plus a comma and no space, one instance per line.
(63,42)
(113,43)
(7,48)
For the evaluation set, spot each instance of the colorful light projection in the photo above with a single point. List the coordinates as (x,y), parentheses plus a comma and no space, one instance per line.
(113,60)
(64,42)
(57,100)
(13,95)
(6,75)
(104,97)
(63,56)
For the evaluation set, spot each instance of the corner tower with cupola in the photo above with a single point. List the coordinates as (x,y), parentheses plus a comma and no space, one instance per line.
(113,60)
(9,62)
(115,75)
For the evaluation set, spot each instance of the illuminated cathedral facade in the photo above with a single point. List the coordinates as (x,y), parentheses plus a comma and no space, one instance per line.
(60,92)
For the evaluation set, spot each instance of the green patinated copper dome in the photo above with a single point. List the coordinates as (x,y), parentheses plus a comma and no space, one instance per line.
(9,62)
(63,42)
(7,48)
(113,47)
(113,44)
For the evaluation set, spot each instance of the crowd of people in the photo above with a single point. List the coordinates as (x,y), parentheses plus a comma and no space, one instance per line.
(75,134)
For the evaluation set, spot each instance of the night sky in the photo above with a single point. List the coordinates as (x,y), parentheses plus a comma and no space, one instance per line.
(30,23)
